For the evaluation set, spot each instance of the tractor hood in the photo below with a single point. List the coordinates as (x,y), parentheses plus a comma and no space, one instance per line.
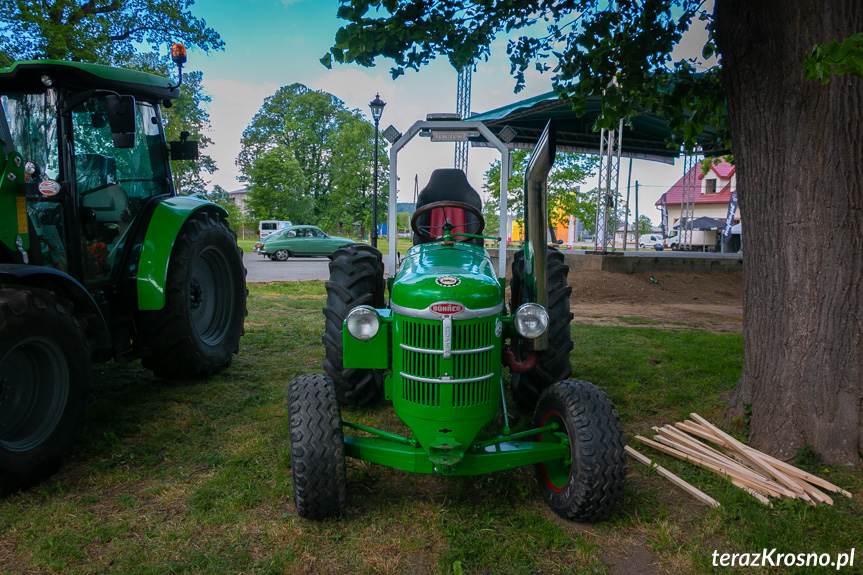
(436,273)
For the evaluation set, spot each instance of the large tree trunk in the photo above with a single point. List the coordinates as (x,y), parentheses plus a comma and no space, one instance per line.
(798,147)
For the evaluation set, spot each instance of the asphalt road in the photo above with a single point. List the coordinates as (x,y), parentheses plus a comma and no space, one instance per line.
(261,269)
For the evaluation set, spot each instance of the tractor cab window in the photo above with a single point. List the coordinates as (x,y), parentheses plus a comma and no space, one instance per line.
(31,120)
(113,184)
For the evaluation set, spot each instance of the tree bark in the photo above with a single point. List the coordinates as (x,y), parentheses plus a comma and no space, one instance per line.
(798,147)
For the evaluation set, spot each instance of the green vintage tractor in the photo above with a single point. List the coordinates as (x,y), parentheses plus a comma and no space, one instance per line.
(437,348)
(99,257)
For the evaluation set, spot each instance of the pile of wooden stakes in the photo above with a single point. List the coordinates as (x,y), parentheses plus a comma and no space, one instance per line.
(757,473)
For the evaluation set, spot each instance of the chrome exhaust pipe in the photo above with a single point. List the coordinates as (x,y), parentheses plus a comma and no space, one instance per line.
(536,225)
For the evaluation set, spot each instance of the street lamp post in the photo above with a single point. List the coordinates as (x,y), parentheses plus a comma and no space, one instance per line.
(377,107)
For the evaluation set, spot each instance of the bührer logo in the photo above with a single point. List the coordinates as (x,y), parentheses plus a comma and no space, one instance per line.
(447,281)
(447,308)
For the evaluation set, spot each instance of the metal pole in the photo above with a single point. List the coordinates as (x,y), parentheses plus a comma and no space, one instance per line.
(375,195)
(637,230)
(626,216)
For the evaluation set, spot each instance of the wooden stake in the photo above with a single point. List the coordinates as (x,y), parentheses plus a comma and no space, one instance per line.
(698,494)
(774,489)
(756,494)
(756,458)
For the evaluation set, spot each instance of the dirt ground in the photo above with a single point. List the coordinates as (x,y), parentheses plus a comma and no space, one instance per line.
(708,301)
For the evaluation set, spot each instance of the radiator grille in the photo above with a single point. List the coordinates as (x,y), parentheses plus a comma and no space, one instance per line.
(473,356)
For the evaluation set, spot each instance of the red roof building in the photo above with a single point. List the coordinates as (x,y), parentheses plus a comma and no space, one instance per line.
(712,194)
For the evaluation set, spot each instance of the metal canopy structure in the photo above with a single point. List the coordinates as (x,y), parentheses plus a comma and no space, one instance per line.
(644,136)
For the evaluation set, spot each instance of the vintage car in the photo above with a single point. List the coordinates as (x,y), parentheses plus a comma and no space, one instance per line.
(300,241)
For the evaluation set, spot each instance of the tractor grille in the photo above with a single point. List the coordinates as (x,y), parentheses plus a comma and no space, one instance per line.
(471,368)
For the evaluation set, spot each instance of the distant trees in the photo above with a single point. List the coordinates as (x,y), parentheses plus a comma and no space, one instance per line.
(569,172)
(307,158)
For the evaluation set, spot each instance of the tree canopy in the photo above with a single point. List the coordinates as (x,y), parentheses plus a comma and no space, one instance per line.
(588,48)
(102,31)
(307,158)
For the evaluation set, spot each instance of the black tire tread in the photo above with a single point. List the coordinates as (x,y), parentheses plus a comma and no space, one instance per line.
(598,456)
(167,333)
(24,310)
(553,363)
(318,468)
(356,278)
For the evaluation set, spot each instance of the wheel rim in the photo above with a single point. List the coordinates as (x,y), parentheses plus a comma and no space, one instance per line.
(34,389)
(556,473)
(211,296)
(282,255)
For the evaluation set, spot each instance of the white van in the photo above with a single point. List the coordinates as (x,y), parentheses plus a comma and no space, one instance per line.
(649,240)
(266,227)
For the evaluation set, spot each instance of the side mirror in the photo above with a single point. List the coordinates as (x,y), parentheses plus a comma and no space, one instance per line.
(184,149)
(560,242)
(121,119)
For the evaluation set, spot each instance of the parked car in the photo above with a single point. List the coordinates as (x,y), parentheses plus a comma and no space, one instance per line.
(259,245)
(303,241)
(649,240)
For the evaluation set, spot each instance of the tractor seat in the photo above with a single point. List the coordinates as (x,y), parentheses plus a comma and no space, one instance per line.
(449,184)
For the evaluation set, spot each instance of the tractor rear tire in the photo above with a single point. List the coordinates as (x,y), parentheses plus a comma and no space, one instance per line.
(552,364)
(44,383)
(589,488)
(318,468)
(356,278)
(199,329)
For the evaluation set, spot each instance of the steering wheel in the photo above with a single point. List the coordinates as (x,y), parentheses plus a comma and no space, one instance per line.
(424,232)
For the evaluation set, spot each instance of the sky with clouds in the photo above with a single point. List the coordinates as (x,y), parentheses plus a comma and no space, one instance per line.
(274,43)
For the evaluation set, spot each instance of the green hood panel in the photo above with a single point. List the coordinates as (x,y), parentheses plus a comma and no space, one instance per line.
(436,272)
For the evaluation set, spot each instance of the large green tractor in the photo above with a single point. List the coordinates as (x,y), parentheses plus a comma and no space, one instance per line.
(99,257)
(438,347)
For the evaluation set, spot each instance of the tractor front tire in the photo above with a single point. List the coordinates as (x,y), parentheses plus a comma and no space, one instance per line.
(199,329)
(552,364)
(44,383)
(587,488)
(318,469)
(356,278)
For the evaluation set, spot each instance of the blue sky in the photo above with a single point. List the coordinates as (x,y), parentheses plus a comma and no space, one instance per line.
(273,43)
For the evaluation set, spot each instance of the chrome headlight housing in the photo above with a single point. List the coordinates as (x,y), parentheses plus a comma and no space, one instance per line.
(363,322)
(531,320)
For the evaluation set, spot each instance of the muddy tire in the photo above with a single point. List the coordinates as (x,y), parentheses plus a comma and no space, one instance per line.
(588,488)
(44,383)
(553,363)
(356,278)
(318,470)
(199,329)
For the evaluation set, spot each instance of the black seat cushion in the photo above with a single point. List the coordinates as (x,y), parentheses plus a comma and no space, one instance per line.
(444,185)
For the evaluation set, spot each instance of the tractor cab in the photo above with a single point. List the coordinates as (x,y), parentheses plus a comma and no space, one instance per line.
(93,161)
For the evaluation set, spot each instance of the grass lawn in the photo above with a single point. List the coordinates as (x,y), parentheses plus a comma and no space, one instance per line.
(194,477)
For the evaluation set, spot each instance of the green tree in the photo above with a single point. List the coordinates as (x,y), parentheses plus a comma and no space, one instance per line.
(101,31)
(353,182)
(307,157)
(221,197)
(645,226)
(796,144)
(567,174)
(278,188)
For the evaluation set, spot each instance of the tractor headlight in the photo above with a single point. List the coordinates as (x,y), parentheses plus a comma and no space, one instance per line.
(363,322)
(531,320)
